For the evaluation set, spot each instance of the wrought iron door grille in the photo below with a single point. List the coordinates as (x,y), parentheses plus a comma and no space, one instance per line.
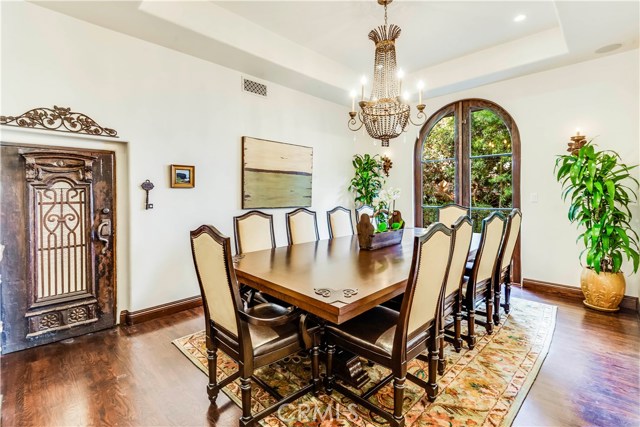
(61,240)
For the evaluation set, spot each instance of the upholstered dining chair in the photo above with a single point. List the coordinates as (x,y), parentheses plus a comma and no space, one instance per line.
(339,222)
(302,226)
(254,337)
(391,338)
(479,287)
(503,267)
(449,214)
(364,209)
(253,232)
(452,301)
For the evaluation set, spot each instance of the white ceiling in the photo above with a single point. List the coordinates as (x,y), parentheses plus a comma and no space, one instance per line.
(321,47)
(432,32)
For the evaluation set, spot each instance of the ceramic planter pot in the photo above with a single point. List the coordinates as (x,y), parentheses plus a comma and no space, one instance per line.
(602,291)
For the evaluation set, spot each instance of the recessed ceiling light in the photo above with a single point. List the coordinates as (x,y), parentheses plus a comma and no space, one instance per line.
(609,48)
(519,18)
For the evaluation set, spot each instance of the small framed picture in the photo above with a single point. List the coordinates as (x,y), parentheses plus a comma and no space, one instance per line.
(183,176)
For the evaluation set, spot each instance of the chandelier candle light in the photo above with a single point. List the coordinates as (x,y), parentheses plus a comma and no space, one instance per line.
(384,115)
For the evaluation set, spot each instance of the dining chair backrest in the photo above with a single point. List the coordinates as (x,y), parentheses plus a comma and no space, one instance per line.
(339,222)
(425,285)
(490,239)
(302,226)
(462,233)
(212,259)
(253,232)
(364,209)
(449,214)
(511,234)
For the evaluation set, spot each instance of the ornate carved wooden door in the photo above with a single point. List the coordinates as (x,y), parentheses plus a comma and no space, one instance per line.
(57,223)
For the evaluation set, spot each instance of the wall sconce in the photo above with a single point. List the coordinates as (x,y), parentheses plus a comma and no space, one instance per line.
(387,164)
(577,142)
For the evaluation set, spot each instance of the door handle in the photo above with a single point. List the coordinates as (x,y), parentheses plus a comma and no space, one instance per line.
(104,230)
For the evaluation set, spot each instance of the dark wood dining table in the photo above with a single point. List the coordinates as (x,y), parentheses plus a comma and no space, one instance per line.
(332,279)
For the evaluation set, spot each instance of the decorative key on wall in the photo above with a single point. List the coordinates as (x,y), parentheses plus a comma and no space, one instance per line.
(147,186)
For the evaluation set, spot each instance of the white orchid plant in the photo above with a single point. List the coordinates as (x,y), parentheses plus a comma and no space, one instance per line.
(384,205)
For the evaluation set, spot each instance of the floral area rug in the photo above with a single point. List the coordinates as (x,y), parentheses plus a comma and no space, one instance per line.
(480,387)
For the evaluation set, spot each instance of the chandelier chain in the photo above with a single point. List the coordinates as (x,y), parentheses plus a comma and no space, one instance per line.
(385,14)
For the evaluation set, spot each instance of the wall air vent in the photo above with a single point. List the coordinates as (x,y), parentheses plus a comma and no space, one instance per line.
(254,87)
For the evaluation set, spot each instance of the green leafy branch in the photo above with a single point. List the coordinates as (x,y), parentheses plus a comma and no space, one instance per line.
(368,179)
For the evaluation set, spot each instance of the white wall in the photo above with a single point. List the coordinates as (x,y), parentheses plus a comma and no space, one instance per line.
(601,98)
(172,108)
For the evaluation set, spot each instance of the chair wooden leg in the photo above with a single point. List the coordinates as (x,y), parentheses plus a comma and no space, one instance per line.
(489,324)
(245,388)
(432,390)
(442,363)
(315,365)
(496,305)
(471,326)
(398,399)
(330,378)
(457,326)
(212,358)
(507,296)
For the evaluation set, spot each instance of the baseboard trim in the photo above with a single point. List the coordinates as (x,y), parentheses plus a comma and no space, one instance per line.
(129,318)
(628,302)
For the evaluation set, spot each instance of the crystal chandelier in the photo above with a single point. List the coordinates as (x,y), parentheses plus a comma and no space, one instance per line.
(384,115)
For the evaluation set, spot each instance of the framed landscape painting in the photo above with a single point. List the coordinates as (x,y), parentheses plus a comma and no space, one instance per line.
(183,176)
(275,175)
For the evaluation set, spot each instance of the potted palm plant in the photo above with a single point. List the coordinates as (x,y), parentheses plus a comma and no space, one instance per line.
(597,184)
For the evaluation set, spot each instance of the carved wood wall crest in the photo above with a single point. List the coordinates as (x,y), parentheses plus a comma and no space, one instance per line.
(59,119)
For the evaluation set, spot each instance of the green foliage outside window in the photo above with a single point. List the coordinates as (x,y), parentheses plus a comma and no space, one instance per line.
(490,176)
(490,164)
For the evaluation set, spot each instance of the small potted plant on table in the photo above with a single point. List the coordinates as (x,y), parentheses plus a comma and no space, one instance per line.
(387,226)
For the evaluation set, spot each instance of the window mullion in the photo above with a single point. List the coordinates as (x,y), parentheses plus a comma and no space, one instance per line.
(463,166)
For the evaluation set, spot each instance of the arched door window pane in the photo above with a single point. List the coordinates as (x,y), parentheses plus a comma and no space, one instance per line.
(439,167)
(491,165)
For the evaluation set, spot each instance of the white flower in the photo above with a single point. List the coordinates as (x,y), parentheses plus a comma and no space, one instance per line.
(393,193)
(375,202)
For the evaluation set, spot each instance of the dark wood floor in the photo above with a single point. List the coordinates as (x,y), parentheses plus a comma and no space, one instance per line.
(135,376)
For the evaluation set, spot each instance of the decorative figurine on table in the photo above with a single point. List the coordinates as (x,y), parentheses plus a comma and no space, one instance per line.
(371,238)
(395,221)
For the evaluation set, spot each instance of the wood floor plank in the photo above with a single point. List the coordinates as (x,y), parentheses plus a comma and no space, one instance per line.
(134,376)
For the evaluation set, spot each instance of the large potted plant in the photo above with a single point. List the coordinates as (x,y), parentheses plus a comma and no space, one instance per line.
(367,181)
(597,184)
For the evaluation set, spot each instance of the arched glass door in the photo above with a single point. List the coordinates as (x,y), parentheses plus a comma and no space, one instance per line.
(468,153)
